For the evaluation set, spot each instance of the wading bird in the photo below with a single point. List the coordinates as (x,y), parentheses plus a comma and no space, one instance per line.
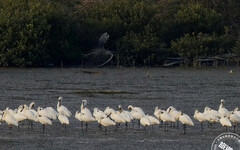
(9,119)
(201,117)
(222,110)
(234,118)
(185,120)
(62,109)
(63,120)
(44,121)
(103,39)
(106,121)
(225,122)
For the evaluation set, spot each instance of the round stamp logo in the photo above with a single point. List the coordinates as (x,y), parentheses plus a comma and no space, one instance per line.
(226,141)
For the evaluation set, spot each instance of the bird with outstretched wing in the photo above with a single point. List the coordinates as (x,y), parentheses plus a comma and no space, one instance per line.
(99,56)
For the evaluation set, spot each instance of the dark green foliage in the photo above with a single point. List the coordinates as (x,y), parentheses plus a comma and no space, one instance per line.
(35,33)
(142,32)
(24,30)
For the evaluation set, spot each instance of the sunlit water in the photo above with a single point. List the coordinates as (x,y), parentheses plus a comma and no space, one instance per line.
(185,89)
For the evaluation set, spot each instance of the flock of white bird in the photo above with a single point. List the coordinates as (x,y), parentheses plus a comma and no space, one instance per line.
(111,117)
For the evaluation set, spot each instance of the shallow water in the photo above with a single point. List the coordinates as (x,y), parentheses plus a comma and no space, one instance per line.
(185,89)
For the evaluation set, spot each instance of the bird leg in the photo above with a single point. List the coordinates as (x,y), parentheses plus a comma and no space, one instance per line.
(86,126)
(184,128)
(161,124)
(201,127)
(10,126)
(100,127)
(43,128)
(234,127)
(139,124)
(65,127)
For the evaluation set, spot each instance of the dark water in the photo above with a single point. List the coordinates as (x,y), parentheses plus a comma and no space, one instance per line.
(185,89)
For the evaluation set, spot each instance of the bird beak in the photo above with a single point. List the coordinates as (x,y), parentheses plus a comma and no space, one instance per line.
(109,114)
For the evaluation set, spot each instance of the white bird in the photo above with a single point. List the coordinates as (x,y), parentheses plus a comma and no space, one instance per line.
(153,120)
(234,118)
(62,109)
(201,117)
(108,110)
(10,111)
(106,121)
(86,118)
(145,121)
(185,120)
(222,110)
(125,111)
(236,111)
(225,122)
(116,118)
(77,116)
(52,113)
(9,119)
(31,105)
(213,118)
(174,113)
(138,109)
(157,112)
(208,110)
(19,116)
(44,120)
(137,113)
(30,115)
(84,110)
(98,114)
(125,114)
(165,117)
(63,120)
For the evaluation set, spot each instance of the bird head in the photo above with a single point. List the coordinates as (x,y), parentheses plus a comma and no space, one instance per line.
(31,104)
(84,102)
(222,101)
(130,107)
(60,98)
(120,108)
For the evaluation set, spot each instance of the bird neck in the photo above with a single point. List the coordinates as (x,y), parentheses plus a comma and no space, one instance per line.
(58,104)
(82,106)
(221,105)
